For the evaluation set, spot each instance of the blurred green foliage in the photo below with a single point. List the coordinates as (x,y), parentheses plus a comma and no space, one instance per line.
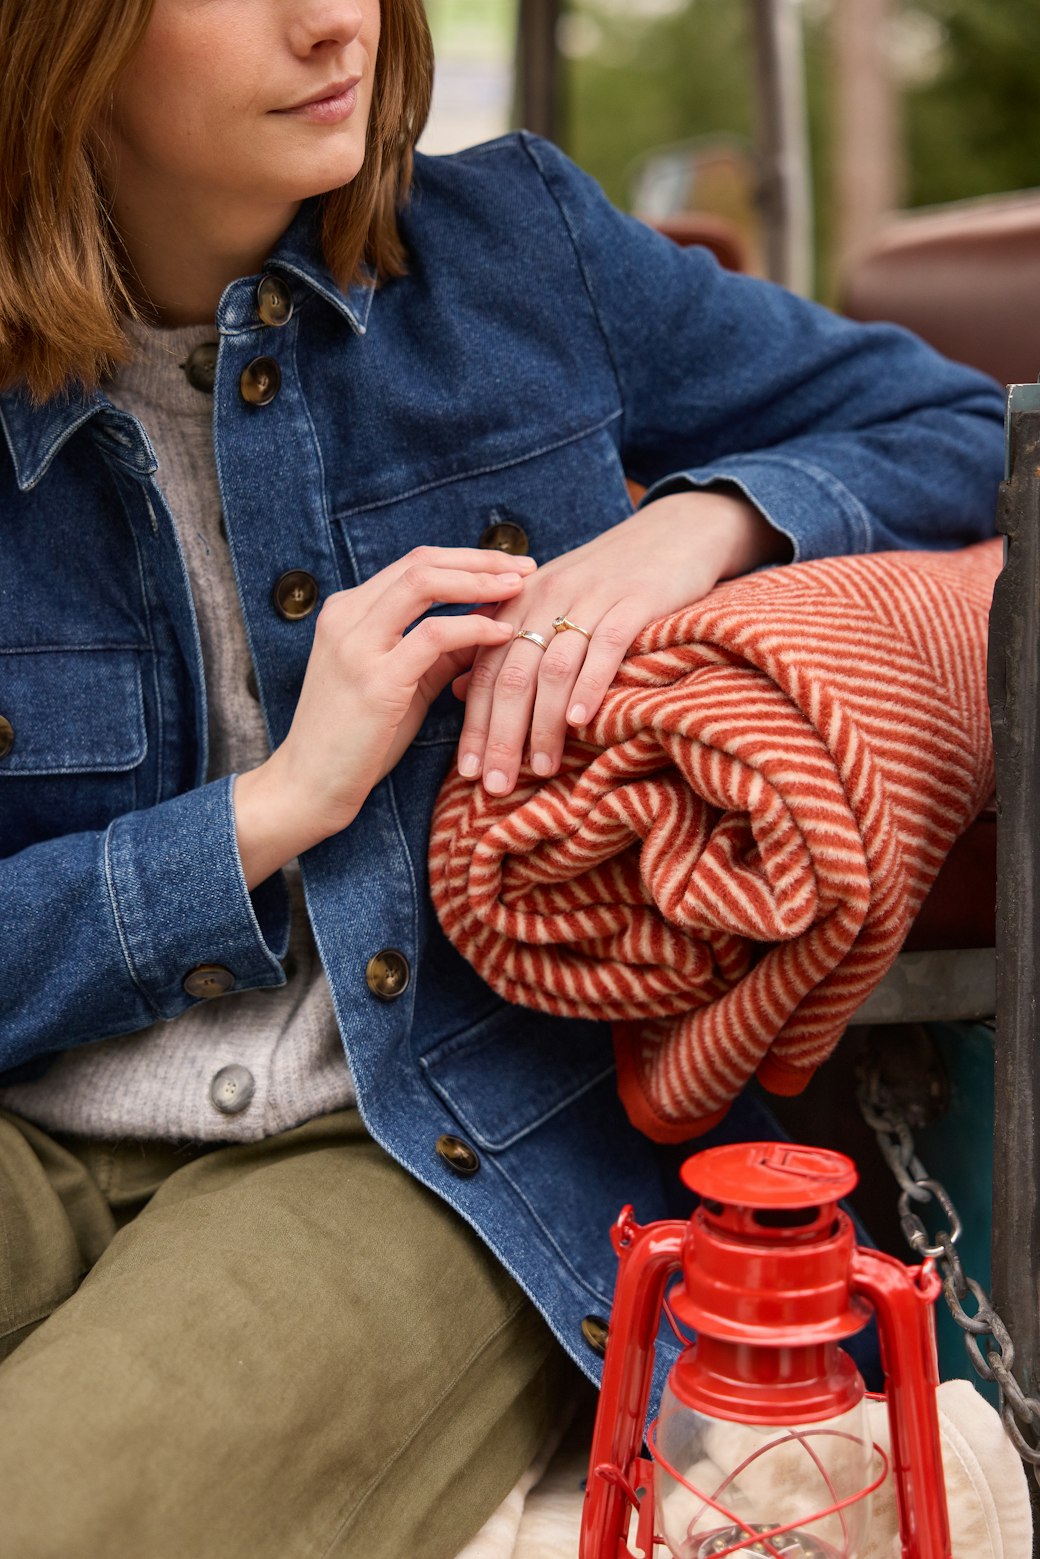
(975,128)
(648,73)
(633,82)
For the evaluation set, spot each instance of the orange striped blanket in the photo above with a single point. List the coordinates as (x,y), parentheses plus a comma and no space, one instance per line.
(730,858)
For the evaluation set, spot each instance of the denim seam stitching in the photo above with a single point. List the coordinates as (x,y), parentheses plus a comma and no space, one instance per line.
(526,141)
(236,859)
(322,482)
(71,649)
(149,647)
(118,919)
(488,470)
(850,506)
(499,1145)
(551,1240)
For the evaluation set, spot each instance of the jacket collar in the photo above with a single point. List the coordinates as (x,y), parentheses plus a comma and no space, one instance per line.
(36,434)
(299,253)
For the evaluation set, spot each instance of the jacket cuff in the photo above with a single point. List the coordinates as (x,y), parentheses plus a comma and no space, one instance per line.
(805,502)
(180,900)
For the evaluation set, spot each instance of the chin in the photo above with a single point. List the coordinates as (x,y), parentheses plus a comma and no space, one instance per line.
(333,175)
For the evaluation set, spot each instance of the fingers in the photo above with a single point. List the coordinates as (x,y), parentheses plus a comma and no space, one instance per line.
(522,692)
(562,666)
(605,652)
(425,655)
(399,594)
(422,585)
(499,702)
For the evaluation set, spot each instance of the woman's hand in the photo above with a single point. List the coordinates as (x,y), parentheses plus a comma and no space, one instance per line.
(369,681)
(656,561)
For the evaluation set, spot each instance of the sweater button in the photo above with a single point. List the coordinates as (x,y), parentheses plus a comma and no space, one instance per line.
(458,1155)
(595,1332)
(208,980)
(260,381)
(232,1089)
(295,595)
(201,367)
(274,302)
(6,736)
(387,974)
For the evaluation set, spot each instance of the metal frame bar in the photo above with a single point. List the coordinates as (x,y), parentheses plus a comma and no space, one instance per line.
(538,74)
(1014,694)
(785,183)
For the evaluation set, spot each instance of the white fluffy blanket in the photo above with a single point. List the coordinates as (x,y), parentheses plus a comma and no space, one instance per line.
(985,1483)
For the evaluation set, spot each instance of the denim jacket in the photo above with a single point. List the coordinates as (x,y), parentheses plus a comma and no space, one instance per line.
(541,348)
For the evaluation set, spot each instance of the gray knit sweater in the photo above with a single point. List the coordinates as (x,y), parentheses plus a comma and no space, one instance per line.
(157,1083)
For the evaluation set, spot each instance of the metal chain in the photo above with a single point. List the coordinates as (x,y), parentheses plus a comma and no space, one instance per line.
(1020,1413)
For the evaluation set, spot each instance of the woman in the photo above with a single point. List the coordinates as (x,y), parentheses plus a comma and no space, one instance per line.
(296,1212)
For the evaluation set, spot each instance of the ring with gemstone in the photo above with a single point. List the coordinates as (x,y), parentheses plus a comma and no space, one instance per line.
(535,638)
(561,624)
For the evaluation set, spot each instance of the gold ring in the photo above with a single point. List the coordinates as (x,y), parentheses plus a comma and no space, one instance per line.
(535,638)
(561,624)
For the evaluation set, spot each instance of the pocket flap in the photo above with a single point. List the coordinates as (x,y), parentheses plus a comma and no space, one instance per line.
(509,1073)
(72,710)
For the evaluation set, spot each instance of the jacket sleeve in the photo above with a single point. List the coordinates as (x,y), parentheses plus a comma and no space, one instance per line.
(99,930)
(848,437)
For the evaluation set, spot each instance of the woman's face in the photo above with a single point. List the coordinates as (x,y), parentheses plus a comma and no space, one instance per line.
(255,101)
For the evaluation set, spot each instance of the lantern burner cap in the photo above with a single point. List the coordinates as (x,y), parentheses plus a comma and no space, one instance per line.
(770,1175)
(793,1545)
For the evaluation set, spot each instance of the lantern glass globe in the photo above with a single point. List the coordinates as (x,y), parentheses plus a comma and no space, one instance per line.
(763,1476)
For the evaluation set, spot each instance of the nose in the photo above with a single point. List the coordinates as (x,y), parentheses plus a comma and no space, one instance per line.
(324,25)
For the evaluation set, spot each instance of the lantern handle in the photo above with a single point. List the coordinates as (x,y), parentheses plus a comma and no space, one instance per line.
(647,1257)
(903,1298)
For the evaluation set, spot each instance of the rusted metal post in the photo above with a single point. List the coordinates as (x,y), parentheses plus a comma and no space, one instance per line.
(1014,693)
(867,128)
(538,68)
(783,142)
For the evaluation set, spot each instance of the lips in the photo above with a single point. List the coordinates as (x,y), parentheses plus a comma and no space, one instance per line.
(329,94)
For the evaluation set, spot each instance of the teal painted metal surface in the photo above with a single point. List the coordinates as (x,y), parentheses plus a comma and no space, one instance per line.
(958,1151)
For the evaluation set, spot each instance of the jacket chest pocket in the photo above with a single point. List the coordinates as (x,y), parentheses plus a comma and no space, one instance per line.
(72,739)
(544,504)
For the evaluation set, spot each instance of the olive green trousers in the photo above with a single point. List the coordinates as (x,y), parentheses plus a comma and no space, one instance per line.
(279,1350)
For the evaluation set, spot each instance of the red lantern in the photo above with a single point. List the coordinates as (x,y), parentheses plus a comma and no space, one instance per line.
(761,1444)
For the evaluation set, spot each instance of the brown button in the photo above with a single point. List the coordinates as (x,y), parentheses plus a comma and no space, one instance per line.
(6,737)
(388,974)
(458,1155)
(595,1332)
(201,367)
(260,381)
(274,301)
(296,595)
(505,536)
(208,980)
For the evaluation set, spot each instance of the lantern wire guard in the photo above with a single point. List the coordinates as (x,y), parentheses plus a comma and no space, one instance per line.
(754,1533)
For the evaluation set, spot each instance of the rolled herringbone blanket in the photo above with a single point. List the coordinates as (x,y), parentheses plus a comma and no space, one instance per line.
(730,858)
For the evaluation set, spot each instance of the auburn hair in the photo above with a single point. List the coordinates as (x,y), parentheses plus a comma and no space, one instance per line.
(63,294)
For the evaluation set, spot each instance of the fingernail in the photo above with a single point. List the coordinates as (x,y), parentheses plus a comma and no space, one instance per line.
(525,561)
(469,765)
(577,714)
(496,782)
(509,579)
(541,763)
